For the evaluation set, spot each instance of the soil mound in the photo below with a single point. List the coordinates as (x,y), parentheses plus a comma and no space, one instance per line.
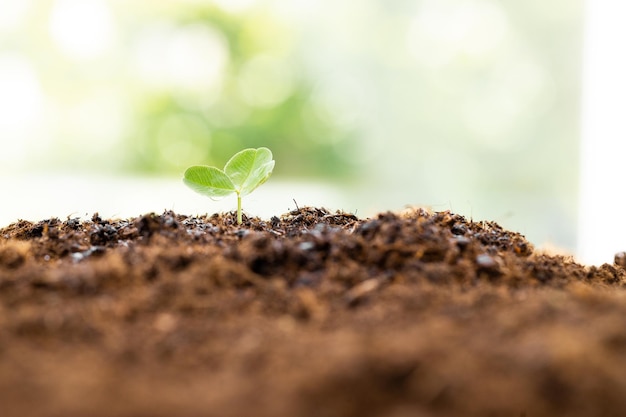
(309,314)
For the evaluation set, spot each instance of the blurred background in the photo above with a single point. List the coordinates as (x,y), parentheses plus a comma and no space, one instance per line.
(368,105)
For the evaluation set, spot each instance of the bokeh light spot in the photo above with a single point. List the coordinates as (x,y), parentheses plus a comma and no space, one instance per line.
(82,29)
(12,14)
(21,106)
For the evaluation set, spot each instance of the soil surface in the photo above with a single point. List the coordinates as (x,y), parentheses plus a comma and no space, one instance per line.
(309,314)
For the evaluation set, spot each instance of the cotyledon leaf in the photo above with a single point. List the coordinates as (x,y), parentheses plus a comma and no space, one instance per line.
(249,168)
(208,181)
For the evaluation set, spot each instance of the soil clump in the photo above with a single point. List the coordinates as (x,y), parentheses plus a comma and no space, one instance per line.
(312,313)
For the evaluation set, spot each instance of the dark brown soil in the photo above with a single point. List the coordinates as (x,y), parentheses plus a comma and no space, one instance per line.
(310,314)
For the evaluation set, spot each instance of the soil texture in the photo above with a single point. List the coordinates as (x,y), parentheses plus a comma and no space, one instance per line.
(311,314)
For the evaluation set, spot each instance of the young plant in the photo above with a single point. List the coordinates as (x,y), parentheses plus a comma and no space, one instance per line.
(242,174)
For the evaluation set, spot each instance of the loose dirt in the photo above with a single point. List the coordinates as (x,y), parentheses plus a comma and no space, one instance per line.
(309,314)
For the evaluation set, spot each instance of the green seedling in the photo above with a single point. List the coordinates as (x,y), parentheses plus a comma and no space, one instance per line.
(242,174)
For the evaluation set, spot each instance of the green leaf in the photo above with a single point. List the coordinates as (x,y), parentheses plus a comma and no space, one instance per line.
(244,172)
(249,168)
(208,181)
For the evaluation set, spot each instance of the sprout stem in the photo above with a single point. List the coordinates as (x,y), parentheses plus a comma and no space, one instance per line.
(239,217)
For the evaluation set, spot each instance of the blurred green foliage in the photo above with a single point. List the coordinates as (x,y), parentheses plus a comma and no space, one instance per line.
(174,129)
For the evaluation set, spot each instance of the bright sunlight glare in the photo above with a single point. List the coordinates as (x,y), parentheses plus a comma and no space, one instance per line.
(82,29)
(446,29)
(12,14)
(603,133)
(21,105)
